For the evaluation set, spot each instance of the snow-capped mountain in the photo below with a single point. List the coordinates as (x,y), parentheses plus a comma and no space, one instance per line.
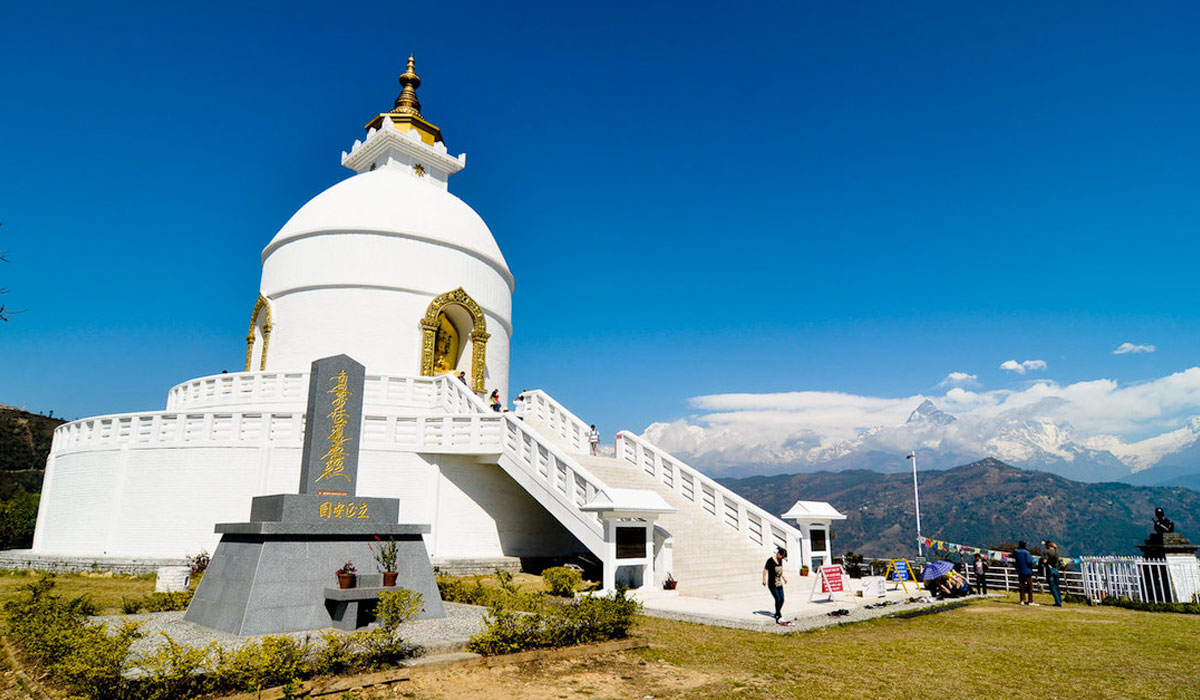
(941,440)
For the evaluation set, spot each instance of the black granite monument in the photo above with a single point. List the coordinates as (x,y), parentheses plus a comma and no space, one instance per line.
(1162,549)
(275,573)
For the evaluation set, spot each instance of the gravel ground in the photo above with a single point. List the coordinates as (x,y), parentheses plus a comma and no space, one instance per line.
(440,635)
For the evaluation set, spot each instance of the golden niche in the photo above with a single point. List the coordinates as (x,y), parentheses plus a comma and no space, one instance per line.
(442,341)
(445,346)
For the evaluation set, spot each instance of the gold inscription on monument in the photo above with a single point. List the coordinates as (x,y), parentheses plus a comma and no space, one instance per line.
(335,458)
(337,509)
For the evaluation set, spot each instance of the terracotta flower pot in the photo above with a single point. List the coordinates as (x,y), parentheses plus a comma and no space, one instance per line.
(669,585)
(346,580)
(389,578)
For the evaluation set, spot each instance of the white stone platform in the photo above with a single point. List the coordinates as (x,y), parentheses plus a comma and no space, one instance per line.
(750,606)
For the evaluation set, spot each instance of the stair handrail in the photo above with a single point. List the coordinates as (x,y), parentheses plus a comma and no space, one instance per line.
(565,424)
(573,500)
(628,444)
(451,386)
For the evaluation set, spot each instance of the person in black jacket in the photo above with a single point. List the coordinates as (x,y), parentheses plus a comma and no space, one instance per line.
(774,579)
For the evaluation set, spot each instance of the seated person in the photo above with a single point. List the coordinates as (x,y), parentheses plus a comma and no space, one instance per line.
(958,584)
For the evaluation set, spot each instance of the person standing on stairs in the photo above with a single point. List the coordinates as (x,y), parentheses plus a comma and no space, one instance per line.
(773,579)
(594,438)
(519,405)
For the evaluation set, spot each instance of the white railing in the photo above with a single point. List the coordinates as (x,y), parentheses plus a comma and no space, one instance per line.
(543,463)
(1172,580)
(463,434)
(477,433)
(167,429)
(564,424)
(290,390)
(241,387)
(452,394)
(726,507)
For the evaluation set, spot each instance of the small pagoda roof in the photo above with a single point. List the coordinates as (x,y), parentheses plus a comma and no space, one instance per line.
(812,510)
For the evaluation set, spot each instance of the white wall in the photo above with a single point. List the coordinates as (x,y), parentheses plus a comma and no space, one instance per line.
(150,502)
(365,294)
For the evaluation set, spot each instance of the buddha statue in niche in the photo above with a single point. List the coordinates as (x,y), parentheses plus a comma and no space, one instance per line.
(445,346)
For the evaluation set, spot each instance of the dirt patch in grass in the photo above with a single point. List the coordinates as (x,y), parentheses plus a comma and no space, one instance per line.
(615,675)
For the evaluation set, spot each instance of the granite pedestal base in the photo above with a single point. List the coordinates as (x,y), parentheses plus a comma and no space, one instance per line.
(1175,578)
(270,577)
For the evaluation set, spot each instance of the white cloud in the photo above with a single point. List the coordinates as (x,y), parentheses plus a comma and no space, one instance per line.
(1136,423)
(1126,348)
(1022,367)
(955,378)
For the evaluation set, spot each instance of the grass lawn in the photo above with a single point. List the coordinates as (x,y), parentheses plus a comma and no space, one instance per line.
(988,649)
(993,649)
(106,590)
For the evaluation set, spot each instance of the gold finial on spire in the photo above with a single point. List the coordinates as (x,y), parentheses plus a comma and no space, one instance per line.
(406,115)
(407,102)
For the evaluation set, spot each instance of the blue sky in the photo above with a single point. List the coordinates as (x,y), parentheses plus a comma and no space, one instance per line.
(794,197)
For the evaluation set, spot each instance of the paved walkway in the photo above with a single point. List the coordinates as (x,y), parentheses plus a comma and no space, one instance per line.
(753,608)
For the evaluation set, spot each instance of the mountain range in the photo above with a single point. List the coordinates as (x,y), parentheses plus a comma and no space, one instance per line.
(942,440)
(982,505)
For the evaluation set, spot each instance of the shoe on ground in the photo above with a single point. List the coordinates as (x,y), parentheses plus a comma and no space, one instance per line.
(785,623)
(1037,604)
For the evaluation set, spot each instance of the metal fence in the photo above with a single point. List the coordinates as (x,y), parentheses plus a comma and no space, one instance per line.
(1175,580)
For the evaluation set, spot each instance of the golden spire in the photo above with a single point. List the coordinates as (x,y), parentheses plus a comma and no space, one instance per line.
(406,115)
(407,102)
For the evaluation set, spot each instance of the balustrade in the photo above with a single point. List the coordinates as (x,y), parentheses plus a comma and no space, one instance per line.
(724,506)
(290,390)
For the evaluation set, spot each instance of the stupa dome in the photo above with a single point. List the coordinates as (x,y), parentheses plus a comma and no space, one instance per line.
(393,201)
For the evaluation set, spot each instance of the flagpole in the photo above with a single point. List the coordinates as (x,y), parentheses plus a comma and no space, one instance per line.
(917,502)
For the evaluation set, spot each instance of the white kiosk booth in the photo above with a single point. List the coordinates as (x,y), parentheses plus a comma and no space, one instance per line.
(640,553)
(813,519)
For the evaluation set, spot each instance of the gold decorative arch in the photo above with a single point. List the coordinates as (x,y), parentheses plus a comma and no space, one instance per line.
(261,305)
(479,334)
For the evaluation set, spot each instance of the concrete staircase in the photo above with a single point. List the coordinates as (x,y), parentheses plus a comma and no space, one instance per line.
(710,560)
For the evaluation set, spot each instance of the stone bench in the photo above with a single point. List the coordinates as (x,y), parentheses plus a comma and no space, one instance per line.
(352,608)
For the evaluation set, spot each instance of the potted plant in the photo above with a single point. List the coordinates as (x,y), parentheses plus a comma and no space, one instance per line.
(670,582)
(346,575)
(384,552)
(804,571)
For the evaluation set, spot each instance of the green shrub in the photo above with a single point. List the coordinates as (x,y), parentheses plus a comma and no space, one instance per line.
(91,663)
(562,581)
(96,661)
(384,645)
(164,602)
(1185,608)
(506,631)
(157,602)
(397,607)
(270,661)
(338,653)
(474,592)
(587,619)
(43,624)
(172,671)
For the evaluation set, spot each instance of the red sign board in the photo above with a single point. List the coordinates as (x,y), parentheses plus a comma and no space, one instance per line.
(831,579)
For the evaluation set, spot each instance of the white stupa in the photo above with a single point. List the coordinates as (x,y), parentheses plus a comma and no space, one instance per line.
(392,269)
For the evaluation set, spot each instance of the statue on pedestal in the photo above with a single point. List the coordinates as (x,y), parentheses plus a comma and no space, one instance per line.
(1162,523)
